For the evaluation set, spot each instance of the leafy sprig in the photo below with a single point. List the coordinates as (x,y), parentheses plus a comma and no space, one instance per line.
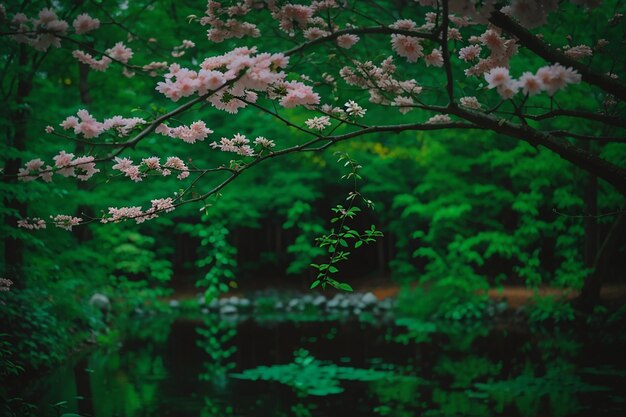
(340,240)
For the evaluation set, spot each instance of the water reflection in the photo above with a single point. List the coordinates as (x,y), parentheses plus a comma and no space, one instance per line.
(209,367)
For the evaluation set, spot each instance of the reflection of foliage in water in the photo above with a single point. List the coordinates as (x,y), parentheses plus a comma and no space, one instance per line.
(559,384)
(467,370)
(310,376)
(216,339)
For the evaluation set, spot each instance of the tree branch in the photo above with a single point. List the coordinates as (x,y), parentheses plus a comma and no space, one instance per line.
(540,48)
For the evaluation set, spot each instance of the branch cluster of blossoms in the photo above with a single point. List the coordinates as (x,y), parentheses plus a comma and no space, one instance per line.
(85,124)
(119,52)
(240,144)
(161,205)
(549,79)
(44,31)
(63,221)
(224,25)
(247,72)
(380,82)
(82,167)
(500,52)
(179,50)
(197,131)
(5,284)
(138,172)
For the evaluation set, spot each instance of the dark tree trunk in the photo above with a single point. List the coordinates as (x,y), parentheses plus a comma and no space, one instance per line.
(16,139)
(590,294)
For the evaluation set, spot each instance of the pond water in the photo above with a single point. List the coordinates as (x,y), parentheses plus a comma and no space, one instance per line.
(173,366)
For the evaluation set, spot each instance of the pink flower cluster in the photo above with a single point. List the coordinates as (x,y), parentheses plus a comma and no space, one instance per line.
(119,53)
(501,50)
(224,26)
(32,224)
(549,79)
(82,168)
(5,284)
(347,41)
(318,123)
(438,119)
(296,93)
(40,33)
(179,50)
(247,72)
(291,16)
(408,47)
(196,131)
(161,205)
(85,23)
(66,222)
(86,125)
(380,82)
(135,172)
(578,52)
(239,144)
(101,64)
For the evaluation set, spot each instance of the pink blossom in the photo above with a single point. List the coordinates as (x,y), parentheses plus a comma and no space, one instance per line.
(66,222)
(85,23)
(264,143)
(120,52)
(49,129)
(63,161)
(239,144)
(315,33)
(556,77)
(152,163)
(347,41)
(46,174)
(403,24)
(404,104)
(470,102)
(87,166)
(34,164)
(97,65)
(298,94)
(130,170)
(407,46)
(122,125)
(454,34)
(47,16)
(439,118)
(118,214)
(435,58)
(497,76)
(469,53)
(89,127)
(197,131)
(32,224)
(492,40)
(578,52)
(508,89)
(318,123)
(5,283)
(353,109)
(293,14)
(530,84)
(176,163)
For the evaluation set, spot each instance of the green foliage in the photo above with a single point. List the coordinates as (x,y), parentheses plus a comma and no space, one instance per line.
(550,308)
(337,241)
(309,376)
(216,340)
